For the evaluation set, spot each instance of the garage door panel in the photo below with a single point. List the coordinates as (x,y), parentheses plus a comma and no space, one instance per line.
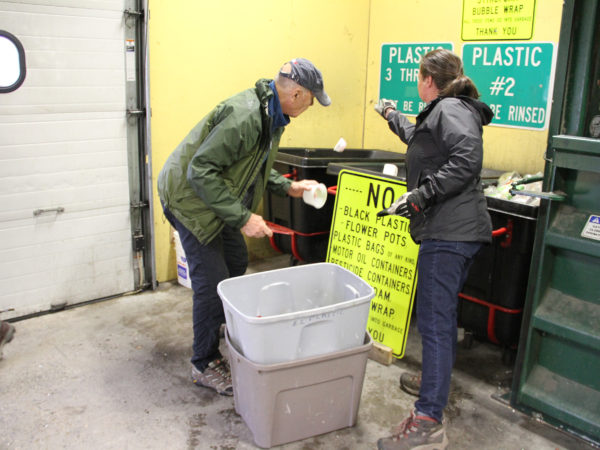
(75,62)
(24,277)
(51,87)
(62,226)
(71,256)
(65,164)
(93,177)
(64,288)
(46,149)
(29,19)
(48,43)
(22,206)
(92,4)
(102,76)
(62,131)
(106,95)
(100,243)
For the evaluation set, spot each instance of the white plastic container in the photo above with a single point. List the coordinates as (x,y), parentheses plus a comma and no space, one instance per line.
(183,274)
(341,145)
(297,312)
(390,169)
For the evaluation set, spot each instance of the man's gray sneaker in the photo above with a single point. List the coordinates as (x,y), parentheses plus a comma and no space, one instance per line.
(216,376)
(416,432)
(410,384)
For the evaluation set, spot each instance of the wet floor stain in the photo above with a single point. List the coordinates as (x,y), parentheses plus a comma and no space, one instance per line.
(196,423)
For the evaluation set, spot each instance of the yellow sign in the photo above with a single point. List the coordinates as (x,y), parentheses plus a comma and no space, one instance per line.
(493,20)
(377,249)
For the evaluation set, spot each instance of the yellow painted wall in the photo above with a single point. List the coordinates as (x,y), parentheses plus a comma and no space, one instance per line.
(202,52)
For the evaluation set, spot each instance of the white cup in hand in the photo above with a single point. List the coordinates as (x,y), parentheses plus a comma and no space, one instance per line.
(315,196)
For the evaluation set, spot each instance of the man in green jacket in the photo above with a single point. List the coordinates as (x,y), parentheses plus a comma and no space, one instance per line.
(213,182)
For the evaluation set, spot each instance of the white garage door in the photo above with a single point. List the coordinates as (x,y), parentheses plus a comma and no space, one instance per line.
(65,227)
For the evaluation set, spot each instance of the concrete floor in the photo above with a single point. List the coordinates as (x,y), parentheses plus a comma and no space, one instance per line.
(116,375)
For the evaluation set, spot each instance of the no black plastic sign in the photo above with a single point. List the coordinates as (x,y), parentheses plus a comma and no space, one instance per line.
(377,249)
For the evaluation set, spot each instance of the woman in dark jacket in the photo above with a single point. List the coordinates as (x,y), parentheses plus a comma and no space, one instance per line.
(448,217)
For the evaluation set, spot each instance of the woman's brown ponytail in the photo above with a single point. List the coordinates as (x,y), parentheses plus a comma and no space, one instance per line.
(446,70)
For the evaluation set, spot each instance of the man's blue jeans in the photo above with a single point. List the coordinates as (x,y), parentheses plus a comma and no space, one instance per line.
(443,267)
(208,264)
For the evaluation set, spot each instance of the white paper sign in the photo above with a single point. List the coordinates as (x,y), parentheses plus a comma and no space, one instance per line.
(592,228)
(130,59)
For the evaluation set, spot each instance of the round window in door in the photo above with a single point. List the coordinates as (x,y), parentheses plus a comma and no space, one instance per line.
(12,62)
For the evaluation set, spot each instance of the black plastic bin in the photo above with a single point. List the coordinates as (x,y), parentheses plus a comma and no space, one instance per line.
(376,168)
(369,168)
(306,163)
(491,303)
(303,231)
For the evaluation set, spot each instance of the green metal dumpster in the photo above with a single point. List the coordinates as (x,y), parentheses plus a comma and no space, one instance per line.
(557,372)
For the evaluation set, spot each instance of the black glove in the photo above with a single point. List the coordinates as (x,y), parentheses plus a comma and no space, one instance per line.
(384,104)
(411,205)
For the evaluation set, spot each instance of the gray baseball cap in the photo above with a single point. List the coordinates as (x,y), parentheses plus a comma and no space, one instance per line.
(307,75)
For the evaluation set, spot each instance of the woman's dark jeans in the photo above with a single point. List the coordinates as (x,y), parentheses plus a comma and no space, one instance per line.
(208,264)
(443,267)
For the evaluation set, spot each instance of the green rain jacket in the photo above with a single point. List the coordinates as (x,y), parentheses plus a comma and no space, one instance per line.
(205,180)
